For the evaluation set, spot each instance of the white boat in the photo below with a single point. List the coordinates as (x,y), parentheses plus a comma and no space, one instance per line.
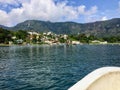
(106,78)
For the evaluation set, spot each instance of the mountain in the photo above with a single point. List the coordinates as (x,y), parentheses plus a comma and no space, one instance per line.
(2,26)
(42,26)
(99,28)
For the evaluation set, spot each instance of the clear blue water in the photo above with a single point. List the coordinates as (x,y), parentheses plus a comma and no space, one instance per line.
(52,67)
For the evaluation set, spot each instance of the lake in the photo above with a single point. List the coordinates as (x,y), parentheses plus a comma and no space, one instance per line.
(52,67)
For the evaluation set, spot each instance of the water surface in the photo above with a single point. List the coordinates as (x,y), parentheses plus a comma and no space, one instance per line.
(52,67)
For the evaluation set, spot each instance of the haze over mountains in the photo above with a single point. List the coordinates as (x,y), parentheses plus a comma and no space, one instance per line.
(99,28)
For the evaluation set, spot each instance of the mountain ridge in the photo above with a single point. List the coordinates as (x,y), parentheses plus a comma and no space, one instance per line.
(98,28)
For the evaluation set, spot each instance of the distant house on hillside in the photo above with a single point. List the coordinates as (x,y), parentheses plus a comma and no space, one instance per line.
(99,42)
(19,41)
(33,33)
(75,42)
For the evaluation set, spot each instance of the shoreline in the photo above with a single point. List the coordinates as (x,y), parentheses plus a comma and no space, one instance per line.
(7,45)
(105,44)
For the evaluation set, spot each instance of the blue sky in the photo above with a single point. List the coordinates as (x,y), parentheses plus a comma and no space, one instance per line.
(81,11)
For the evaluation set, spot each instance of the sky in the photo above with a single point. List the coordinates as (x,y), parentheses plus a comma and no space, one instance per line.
(13,12)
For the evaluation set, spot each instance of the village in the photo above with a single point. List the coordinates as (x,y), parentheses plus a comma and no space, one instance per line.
(49,38)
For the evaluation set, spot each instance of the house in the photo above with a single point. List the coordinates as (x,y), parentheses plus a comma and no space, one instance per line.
(49,33)
(14,37)
(19,41)
(95,41)
(75,42)
(33,33)
(65,36)
(99,42)
(48,42)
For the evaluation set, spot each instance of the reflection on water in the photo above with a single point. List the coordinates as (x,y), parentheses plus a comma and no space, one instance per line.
(52,67)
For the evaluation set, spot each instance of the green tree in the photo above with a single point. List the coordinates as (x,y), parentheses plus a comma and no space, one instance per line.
(21,34)
(5,36)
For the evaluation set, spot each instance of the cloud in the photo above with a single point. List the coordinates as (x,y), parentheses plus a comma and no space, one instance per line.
(13,2)
(7,1)
(4,18)
(90,15)
(104,18)
(93,10)
(46,10)
(10,2)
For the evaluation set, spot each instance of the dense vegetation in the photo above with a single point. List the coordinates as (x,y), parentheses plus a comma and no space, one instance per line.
(6,36)
(87,39)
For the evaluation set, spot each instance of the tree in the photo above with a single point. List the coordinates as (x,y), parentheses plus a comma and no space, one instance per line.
(5,36)
(21,34)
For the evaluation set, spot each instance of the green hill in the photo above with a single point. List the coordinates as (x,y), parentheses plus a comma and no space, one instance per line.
(99,28)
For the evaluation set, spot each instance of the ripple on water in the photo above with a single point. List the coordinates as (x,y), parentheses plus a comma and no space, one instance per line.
(52,67)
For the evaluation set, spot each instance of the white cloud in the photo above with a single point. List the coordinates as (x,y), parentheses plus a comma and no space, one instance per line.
(43,10)
(93,10)
(104,18)
(90,15)
(4,20)
(13,2)
(81,9)
(7,1)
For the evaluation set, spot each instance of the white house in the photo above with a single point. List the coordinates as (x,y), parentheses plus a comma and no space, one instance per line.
(97,41)
(75,42)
